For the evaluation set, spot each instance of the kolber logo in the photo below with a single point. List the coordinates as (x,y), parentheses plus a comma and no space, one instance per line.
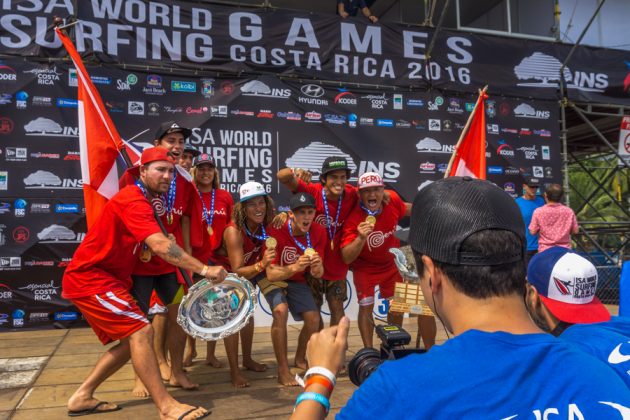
(345,97)
(5,292)
(545,69)
(258,88)
(7,74)
(46,127)
(505,149)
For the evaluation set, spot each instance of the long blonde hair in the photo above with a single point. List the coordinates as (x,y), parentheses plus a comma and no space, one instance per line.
(238,213)
(216,182)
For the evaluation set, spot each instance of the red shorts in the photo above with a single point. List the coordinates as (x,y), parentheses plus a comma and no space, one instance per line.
(156,306)
(112,315)
(365,282)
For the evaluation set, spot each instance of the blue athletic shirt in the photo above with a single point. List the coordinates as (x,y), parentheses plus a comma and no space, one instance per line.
(527,210)
(480,375)
(608,341)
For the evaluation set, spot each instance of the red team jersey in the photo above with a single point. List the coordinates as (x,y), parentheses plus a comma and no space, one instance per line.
(223,205)
(182,206)
(287,252)
(334,269)
(105,259)
(375,257)
(253,250)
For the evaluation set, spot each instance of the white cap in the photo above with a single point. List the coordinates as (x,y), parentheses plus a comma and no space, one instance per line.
(370,179)
(250,190)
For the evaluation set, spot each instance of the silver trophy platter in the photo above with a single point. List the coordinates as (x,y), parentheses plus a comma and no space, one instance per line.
(212,311)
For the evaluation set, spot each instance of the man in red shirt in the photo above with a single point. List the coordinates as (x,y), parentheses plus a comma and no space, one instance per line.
(554,222)
(334,200)
(98,280)
(366,239)
(300,245)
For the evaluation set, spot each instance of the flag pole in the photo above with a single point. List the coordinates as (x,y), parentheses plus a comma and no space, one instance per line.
(464,131)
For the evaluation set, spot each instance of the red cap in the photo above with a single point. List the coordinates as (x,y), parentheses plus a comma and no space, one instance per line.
(153,154)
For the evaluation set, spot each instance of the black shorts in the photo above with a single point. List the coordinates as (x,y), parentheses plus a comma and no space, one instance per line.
(165,285)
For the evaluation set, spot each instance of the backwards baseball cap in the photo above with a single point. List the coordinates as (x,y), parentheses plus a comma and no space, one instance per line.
(169,127)
(250,190)
(152,154)
(370,179)
(531,181)
(446,212)
(301,200)
(334,163)
(189,148)
(203,158)
(566,283)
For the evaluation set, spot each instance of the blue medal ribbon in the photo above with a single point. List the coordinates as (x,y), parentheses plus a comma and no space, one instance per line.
(170,201)
(205,217)
(368,211)
(331,232)
(262,237)
(308,239)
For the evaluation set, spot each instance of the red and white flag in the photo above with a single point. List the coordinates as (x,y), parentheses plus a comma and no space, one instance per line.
(469,158)
(99,140)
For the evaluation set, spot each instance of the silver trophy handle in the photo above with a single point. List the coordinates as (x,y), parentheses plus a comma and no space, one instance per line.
(406,266)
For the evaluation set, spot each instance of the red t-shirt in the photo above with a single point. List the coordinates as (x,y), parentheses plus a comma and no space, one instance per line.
(107,256)
(375,256)
(253,250)
(335,269)
(287,252)
(223,205)
(182,206)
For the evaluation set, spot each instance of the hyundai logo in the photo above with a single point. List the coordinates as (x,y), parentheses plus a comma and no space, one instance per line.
(314,91)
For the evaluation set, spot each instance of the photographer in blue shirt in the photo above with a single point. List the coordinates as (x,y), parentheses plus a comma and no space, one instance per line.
(468,240)
(561,300)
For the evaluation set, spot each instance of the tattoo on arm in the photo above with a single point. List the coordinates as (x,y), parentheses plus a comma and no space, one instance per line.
(174,251)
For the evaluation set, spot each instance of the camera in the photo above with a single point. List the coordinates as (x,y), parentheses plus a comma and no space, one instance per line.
(368,359)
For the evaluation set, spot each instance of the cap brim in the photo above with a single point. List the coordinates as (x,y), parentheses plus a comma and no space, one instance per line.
(403,234)
(252,196)
(587,313)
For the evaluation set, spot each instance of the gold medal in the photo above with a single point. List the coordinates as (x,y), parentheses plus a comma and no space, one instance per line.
(309,252)
(271,243)
(332,246)
(371,220)
(145,255)
(169,218)
(210,231)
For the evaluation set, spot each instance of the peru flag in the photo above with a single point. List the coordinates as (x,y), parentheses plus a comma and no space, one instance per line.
(469,158)
(99,140)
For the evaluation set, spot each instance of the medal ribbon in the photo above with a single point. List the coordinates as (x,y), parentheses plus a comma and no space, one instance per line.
(170,201)
(331,232)
(308,239)
(368,211)
(204,215)
(253,235)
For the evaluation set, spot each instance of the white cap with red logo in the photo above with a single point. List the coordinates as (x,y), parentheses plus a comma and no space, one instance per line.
(250,190)
(370,179)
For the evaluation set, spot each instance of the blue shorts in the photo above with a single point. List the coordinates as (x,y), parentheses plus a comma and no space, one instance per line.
(297,295)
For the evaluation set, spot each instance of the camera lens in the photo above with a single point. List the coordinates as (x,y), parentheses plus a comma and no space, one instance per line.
(363,364)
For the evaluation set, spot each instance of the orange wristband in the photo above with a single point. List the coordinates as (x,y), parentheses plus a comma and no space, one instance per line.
(318,379)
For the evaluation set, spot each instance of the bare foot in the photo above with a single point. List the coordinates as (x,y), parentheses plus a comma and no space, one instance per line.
(287,379)
(76,403)
(251,364)
(238,380)
(214,362)
(139,390)
(165,371)
(181,380)
(185,411)
(189,357)
(301,364)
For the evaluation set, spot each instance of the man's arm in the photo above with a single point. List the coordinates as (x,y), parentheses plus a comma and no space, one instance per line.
(173,254)
(369,15)
(341,9)
(574,227)
(533,225)
(351,252)
(277,272)
(288,179)
(407,209)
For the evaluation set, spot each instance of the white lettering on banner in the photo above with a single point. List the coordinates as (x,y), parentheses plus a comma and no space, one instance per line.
(305,26)
(371,39)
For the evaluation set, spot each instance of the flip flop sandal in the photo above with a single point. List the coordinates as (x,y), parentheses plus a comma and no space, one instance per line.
(93,410)
(190,411)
